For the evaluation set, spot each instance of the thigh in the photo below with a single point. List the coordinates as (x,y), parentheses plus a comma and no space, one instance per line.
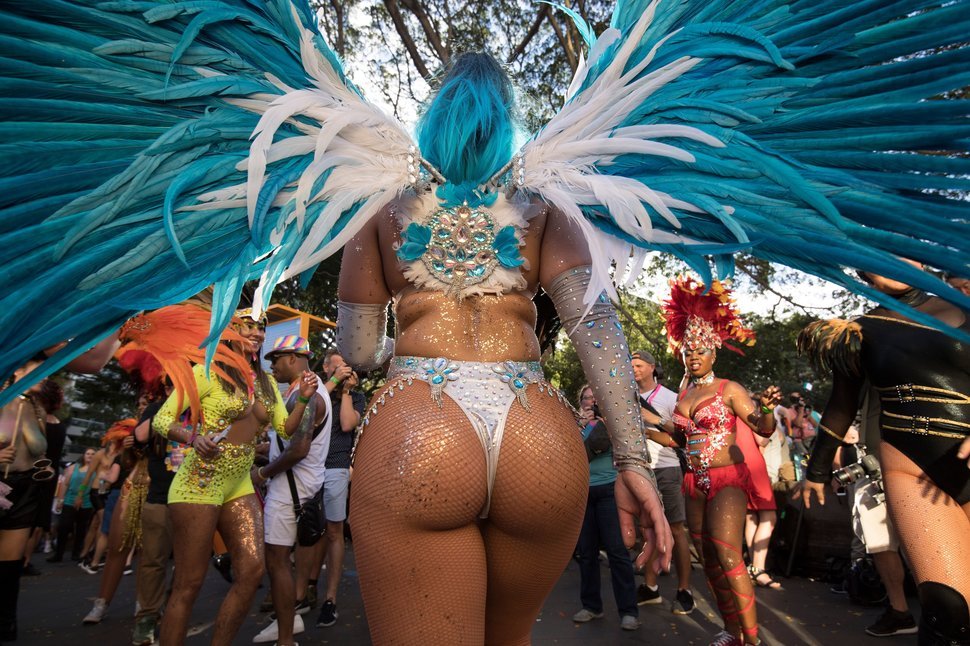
(537,509)
(419,485)
(336,485)
(194,525)
(279,525)
(670,482)
(933,528)
(724,523)
(241,526)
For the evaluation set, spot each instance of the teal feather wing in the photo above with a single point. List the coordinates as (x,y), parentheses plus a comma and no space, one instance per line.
(807,132)
(151,149)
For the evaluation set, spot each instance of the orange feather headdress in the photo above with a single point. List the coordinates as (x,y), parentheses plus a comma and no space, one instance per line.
(173,335)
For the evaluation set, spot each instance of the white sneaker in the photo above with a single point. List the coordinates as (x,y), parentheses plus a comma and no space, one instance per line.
(629,622)
(585,615)
(97,612)
(272,631)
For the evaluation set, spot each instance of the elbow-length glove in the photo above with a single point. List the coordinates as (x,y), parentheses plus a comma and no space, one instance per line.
(361,334)
(605,357)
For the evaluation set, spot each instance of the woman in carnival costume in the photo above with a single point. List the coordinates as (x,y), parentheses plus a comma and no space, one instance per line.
(218,416)
(708,419)
(922,379)
(237,148)
(488,467)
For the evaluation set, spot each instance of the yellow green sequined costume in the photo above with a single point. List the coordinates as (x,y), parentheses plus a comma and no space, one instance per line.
(225,477)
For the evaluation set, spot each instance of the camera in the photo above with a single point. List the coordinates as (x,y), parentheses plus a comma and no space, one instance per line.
(867,467)
(596,411)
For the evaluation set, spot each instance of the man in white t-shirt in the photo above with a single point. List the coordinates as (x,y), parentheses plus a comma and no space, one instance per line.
(304,455)
(657,409)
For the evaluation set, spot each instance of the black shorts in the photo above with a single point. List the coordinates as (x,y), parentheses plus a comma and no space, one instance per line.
(24,496)
(45,500)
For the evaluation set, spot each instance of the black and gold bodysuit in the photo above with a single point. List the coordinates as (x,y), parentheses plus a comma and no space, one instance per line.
(922,376)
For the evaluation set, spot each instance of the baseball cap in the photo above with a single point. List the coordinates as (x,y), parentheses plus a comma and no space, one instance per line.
(290,344)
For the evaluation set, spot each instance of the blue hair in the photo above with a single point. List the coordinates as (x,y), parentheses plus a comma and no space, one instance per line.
(468,129)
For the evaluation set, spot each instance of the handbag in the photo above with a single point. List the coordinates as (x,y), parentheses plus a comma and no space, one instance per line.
(311,521)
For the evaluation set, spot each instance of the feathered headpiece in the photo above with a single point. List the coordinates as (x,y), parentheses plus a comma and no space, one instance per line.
(173,335)
(142,367)
(700,317)
(119,431)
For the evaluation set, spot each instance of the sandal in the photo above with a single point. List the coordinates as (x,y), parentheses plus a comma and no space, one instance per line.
(770,583)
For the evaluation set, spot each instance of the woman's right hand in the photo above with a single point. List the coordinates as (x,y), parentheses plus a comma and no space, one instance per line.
(805,489)
(77,501)
(587,416)
(206,448)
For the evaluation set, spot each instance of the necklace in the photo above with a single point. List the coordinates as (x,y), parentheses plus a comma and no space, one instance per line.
(703,381)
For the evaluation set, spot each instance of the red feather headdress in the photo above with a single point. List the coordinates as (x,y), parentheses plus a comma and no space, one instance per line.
(703,319)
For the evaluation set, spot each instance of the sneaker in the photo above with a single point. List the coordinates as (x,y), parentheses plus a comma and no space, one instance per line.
(628,622)
(838,588)
(892,623)
(223,565)
(724,638)
(144,632)
(97,612)
(648,597)
(303,606)
(311,595)
(128,570)
(585,615)
(684,603)
(328,614)
(272,631)
(89,568)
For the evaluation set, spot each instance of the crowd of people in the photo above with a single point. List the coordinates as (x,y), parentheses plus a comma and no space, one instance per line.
(157,474)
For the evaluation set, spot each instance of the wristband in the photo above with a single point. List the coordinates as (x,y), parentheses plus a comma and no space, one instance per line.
(334,380)
(192,438)
(259,472)
(303,400)
(765,410)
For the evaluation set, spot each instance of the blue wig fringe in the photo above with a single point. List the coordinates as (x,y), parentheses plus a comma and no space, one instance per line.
(468,129)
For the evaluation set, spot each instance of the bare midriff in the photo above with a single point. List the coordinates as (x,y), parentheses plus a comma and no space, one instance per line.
(722,458)
(477,328)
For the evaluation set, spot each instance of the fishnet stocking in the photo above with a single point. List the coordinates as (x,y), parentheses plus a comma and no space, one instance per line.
(717,529)
(933,528)
(419,486)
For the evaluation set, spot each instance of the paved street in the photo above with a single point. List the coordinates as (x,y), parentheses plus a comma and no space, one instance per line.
(53,604)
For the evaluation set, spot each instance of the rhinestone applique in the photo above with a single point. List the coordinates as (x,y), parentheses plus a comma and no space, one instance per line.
(438,372)
(516,378)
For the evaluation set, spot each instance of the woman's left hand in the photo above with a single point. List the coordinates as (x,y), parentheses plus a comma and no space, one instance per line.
(7,454)
(770,397)
(308,384)
(636,497)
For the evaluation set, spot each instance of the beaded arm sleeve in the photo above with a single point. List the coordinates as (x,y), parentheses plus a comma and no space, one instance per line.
(602,349)
(361,334)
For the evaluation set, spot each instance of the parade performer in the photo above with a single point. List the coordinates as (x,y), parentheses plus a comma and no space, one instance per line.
(709,414)
(922,378)
(174,145)
(218,416)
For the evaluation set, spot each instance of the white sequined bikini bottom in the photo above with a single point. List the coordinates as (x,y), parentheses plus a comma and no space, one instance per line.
(484,391)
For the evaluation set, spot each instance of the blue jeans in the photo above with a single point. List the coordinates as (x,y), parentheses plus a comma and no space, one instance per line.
(601,530)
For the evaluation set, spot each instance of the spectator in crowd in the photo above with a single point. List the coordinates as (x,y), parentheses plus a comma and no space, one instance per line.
(348,405)
(51,397)
(601,528)
(163,460)
(122,519)
(22,467)
(76,508)
(295,473)
(657,410)
(957,282)
(874,532)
